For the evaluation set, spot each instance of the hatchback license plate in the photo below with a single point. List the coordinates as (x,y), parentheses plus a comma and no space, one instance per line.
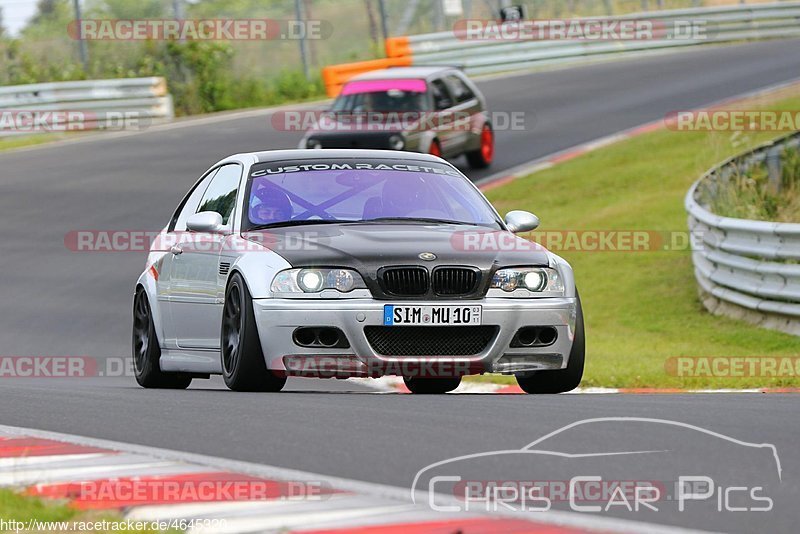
(431,315)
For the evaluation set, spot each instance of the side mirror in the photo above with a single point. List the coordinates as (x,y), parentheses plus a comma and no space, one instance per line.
(521,221)
(205,221)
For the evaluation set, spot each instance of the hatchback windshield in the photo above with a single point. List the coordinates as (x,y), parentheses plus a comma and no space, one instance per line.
(382,96)
(317,192)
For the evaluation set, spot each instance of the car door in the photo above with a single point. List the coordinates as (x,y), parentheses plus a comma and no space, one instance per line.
(443,107)
(195,301)
(169,242)
(465,106)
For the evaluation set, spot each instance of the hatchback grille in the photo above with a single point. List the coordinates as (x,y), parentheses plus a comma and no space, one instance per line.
(429,340)
(454,280)
(404,281)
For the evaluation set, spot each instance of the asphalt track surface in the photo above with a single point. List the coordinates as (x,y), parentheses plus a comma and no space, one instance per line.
(57,302)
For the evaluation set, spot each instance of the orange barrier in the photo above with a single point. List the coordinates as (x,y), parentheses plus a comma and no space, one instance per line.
(335,76)
(398,47)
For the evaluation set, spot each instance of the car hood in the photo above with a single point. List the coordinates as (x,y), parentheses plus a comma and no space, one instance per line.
(367,247)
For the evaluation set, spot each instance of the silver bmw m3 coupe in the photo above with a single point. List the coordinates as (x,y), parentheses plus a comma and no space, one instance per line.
(351,263)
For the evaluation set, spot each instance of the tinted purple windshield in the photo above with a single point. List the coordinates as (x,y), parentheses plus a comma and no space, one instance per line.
(361,191)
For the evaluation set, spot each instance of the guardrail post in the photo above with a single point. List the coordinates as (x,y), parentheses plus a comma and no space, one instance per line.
(298,11)
(82,50)
(774,168)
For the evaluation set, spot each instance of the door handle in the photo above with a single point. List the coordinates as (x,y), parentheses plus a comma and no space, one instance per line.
(176,250)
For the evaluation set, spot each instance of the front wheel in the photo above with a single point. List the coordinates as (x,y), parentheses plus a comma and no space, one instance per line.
(147,352)
(431,386)
(243,366)
(562,380)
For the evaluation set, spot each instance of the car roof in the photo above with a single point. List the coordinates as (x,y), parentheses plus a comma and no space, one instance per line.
(402,73)
(335,153)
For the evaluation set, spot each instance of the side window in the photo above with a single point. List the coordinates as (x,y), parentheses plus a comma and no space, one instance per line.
(441,96)
(461,92)
(189,204)
(221,193)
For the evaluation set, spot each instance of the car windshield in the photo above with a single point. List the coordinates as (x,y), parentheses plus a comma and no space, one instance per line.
(360,191)
(382,96)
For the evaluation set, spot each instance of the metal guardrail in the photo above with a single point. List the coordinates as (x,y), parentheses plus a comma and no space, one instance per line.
(83,105)
(721,24)
(750,264)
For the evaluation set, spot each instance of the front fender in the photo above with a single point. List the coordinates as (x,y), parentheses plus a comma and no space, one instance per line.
(567,275)
(258,268)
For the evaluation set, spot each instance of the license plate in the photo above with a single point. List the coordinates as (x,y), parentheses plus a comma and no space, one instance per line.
(431,315)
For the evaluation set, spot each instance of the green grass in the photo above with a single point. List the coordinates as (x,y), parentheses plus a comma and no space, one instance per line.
(748,195)
(642,308)
(18,507)
(9,143)
(22,508)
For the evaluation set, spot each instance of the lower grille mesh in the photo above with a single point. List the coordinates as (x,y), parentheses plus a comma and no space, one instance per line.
(429,340)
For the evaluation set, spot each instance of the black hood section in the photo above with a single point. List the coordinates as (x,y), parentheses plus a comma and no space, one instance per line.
(368,247)
(353,139)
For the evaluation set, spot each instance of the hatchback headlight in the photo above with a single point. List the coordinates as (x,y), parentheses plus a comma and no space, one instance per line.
(534,279)
(396,142)
(312,280)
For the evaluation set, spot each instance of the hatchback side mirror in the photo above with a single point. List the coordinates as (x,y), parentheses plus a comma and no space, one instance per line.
(205,221)
(521,221)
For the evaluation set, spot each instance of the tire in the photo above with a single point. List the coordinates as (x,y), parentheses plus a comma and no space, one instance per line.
(483,156)
(562,380)
(435,149)
(431,386)
(146,351)
(243,366)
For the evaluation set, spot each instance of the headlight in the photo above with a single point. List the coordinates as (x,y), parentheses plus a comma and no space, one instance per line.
(315,280)
(535,279)
(313,143)
(396,142)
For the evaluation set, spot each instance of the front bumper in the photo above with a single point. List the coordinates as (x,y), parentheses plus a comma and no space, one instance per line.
(278,318)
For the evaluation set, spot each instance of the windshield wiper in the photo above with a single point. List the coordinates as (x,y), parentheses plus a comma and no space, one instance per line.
(306,222)
(416,219)
(303,222)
